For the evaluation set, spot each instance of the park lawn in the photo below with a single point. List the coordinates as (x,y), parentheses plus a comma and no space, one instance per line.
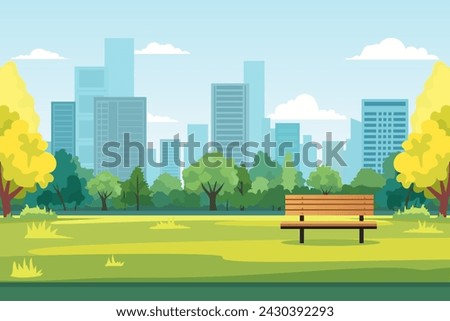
(224,249)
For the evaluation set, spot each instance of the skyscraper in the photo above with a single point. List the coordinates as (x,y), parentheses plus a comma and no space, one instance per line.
(152,171)
(119,65)
(287,137)
(385,127)
(353,152)
(311,156)
(90,82)
(170,156)
(115,79)
(117,118)
(200,135)
(254,78)
(63,126)
(229,113)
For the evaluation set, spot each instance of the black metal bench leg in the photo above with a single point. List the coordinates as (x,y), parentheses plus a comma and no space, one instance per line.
(302,236)
(361,235)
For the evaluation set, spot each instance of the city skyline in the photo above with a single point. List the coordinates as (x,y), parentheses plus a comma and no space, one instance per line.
(300,55)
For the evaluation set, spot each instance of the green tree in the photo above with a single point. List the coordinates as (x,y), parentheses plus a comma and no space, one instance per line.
(136,189)
(166,183)
(325,179)
(244,184)
(211,175)
(368,177)
(288,174)
(85,175)
(265,167)
(73,192)
(45,199)
(259,185)
(104,186)
(65,168)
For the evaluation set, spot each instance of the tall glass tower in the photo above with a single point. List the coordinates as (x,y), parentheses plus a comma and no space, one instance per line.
(63,126)
(229,123)
(385,127)
(254,78)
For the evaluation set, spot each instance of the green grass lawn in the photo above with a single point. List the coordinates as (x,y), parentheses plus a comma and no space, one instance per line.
(223,249)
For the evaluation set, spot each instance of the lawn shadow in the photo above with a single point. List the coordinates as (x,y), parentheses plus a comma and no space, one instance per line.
(330,243)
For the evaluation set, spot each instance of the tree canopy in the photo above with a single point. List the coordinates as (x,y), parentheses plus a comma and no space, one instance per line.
(24,162)
(212,175)
(425,162)
(325,179)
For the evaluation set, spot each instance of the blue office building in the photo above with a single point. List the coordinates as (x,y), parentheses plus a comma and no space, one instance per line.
(309,152)
(170,157)
(199,133)
(115,118)
(152,170)
(63,126)
(385,127)
(229,118)
(254,78)
(328,159)
(119,65)
(353,152)
(90,82)
(287,138)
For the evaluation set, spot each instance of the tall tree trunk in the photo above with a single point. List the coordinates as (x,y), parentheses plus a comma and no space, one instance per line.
(104,206)
(137,193)
(60,197)
(408,196)
(443,205)
(212,201)
(6,195)
(6,204)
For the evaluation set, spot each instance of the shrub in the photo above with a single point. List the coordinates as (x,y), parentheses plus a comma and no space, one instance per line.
(26,270)
(425,229)
(111,262)
(413,214)
(36,213)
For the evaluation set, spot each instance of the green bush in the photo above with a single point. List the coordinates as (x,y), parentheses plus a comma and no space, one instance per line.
(412,214)
(36,213)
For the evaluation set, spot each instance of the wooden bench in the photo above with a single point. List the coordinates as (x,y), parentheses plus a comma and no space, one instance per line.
(324,205)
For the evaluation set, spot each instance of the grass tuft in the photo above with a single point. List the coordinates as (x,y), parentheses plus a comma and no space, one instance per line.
(111,262)
(168,225)
(424,228)
(42,231)
(26,270)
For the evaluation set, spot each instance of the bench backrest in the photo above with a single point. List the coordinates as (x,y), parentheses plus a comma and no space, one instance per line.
(329,205)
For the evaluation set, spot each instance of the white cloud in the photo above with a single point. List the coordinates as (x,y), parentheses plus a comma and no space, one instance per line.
(393,49)
(154,48)
(40,54)
(160,119)
(304,107)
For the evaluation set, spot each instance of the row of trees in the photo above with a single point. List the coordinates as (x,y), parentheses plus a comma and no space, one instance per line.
(261,187)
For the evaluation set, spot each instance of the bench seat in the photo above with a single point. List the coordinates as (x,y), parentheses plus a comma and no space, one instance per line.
(329,225)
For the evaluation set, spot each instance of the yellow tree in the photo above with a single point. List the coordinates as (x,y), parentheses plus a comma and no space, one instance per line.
(425,161)
(24,162)
(436,93)
(14,94)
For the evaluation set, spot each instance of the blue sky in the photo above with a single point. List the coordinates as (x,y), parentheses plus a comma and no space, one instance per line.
(304,44)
